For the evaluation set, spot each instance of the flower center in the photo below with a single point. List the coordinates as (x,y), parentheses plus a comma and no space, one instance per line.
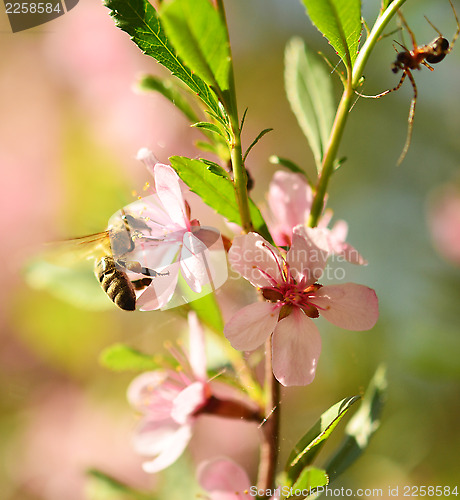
(292,295)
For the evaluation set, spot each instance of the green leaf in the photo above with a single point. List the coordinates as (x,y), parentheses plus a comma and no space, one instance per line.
(208,311)
(339,162)
(217,148)
(199,35)
(210,127)
(310,444)
(310,479)
(75,283)
(140,20)
(311,95)
(207,147)
(243,119)
(215,168)
(171,91)
(290,165)
(120,357)
(361,427)
(385,4)
(340,22)
(216,191)
(107,487)
(256,140)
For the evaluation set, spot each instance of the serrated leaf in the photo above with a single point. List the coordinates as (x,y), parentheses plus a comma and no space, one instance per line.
(310,93)
(120,357)
(361,427)
(216,191)
(215,168)
(309,480)
(340,22)
(255,141)
(199,35)
(305,451)
(171,91)
(139,19)
(210,127)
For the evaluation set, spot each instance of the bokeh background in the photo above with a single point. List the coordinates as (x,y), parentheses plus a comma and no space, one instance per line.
(71,124)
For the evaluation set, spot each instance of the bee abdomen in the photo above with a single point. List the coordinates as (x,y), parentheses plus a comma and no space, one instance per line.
(116,284)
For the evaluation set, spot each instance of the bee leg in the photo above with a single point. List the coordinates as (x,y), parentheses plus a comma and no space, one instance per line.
(135,267)
(152,272)
(141,284)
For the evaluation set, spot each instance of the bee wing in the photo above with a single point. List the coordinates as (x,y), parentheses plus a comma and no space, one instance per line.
(68,252)
(64,270)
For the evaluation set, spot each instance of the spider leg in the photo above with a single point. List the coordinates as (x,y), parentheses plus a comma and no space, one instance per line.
(457,33)
(401,45)
(381,37)
(411,34)
(433,26)
(427,65)
(386,91)
(410,119)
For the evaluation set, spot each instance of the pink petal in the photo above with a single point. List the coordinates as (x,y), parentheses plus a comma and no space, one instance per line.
(188,401)
(147,158)
(221,475)
(195,262)
(308,254)
(256,260)
(295,350)
(142,391)
(289,198)
(153,436)
(251,326)
(156,256)
(151,210)
(350,306)
(208,235)
(168,190)
(197,353)
(159,292)
(168,446)
(340,231)
(325,218)
(444,221)
(350,254)
(337,237)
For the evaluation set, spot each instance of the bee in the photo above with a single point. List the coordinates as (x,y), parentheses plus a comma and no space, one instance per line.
(112,265)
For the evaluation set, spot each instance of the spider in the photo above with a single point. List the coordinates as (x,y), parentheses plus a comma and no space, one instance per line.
(408,60)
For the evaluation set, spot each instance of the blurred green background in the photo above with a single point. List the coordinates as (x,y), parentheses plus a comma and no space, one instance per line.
(70,128)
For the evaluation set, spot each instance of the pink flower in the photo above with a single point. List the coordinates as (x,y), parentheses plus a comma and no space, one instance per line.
(167,241)
(168,401)
(444,220)
(171,400)
(290,198)
(293,296)
(225,480)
